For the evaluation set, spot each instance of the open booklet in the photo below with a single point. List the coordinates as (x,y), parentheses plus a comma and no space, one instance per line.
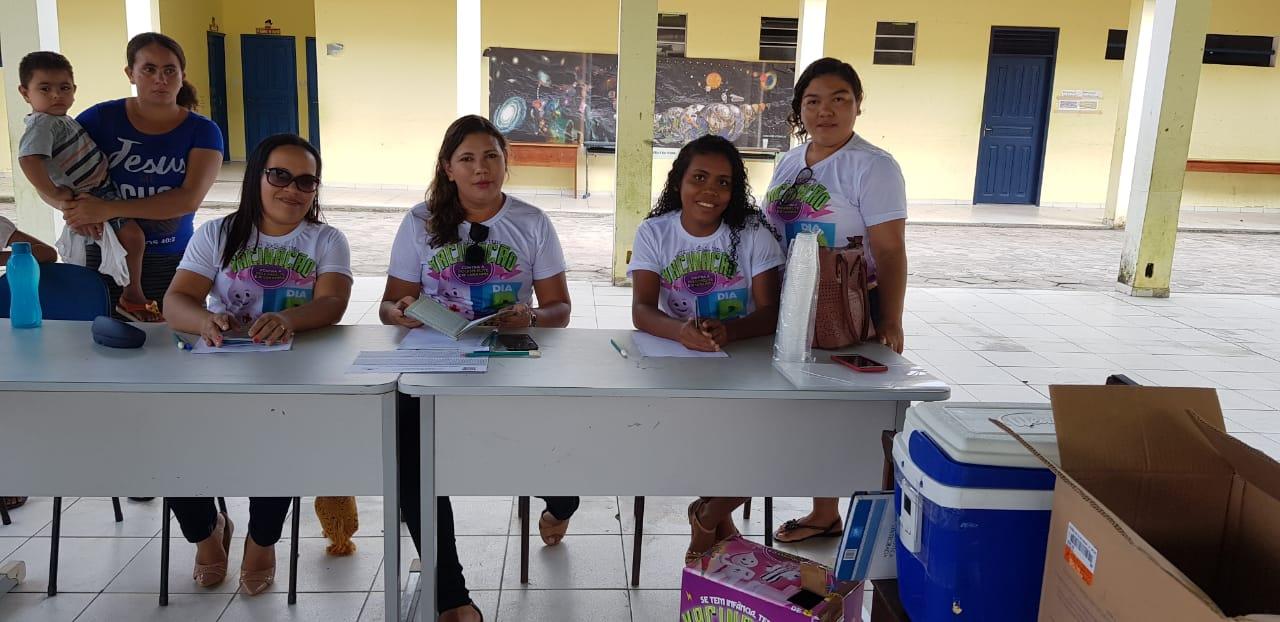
(439,317)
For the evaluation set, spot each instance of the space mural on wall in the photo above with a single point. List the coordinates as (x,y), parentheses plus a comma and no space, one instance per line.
(568,97)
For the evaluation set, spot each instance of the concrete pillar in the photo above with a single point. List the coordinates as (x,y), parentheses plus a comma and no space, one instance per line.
(469,49)
(813,33)
(637,73)
(28,26)
(1162,105)
(1111,217)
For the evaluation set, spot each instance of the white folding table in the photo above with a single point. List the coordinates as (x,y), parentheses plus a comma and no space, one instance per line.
(582,420)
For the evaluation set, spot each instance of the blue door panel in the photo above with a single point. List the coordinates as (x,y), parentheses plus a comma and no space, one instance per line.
(218,88)
(1014,115)
(270,87)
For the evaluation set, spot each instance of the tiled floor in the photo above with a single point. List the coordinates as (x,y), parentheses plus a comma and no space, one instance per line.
(992,345)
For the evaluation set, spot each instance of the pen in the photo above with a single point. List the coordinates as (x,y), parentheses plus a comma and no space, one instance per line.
(181,343)
(530,354)
(621,350)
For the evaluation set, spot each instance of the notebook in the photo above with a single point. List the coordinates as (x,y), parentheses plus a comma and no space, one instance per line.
(439,317)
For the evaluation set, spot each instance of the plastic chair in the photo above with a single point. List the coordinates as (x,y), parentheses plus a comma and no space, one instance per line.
(67,292)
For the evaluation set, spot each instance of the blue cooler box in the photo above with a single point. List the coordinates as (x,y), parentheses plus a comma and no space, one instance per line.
(973,511)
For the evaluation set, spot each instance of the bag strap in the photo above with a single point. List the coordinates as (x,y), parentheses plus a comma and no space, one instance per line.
(842,278)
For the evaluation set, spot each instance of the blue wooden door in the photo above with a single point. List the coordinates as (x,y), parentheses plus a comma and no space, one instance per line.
(270,66)
(1014,118)
(218,87)
(313,95)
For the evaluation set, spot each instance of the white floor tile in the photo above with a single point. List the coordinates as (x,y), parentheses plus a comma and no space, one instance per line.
(94,517)
(320,572)
(146,608)
(579,562)
(29,519)
(482,517)
(482,560)
(965,375)
(1262,442)
(64,607)
(9,545)
(564,605)
(661,562)
(1005,393)
(84,564)
(1017,359)
(486,600)
(336,607)
(1264,421)
(649,605)
(1238,400)
(1269,398)
(662,515)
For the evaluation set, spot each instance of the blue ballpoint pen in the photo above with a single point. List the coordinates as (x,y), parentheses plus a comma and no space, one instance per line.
(182,343)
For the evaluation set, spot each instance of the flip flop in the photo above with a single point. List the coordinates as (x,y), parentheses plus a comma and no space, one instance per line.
(146,313)
(833,530)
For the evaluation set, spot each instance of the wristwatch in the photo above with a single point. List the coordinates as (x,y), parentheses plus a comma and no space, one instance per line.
(533,318)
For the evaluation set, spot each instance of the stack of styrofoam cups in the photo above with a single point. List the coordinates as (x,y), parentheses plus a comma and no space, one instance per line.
(792,344)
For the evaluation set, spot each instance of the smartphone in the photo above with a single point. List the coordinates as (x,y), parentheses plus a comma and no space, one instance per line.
(517,342)
(857,362)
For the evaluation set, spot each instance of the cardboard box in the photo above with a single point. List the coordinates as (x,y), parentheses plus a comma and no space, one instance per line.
(1158,514)
(742,581)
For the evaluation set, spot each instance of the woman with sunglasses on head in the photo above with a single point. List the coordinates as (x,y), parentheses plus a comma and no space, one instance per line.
(276,231)
(477,251)
(841,186)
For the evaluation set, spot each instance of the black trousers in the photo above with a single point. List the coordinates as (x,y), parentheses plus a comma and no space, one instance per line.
(451,586)
(198,515)
(562,508)
(157,272)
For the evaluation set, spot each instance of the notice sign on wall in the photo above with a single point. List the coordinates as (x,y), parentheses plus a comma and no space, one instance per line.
(1073,100)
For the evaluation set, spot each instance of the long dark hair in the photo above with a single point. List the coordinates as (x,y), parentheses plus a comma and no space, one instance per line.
(187,94)
(821,67)
(445,208)
(239,226)
(741,212)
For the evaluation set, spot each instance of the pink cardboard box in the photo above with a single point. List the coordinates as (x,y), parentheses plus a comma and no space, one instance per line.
(741,581)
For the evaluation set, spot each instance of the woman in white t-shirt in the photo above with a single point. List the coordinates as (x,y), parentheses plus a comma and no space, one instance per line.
(271,269)
(704,272)
(477,251)
(841,186)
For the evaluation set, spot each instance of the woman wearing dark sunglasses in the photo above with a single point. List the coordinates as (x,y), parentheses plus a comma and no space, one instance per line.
(841,186)
(273,269)
(477,251)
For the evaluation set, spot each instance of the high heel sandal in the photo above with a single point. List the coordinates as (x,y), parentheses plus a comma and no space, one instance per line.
(254,582)
(552,529)
(209,575)
(690,555)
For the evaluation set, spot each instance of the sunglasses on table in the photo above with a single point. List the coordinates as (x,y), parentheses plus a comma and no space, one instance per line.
(802,178)
(281,178)
(475,254)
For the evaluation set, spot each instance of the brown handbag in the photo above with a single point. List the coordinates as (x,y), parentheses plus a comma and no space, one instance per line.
(843,315)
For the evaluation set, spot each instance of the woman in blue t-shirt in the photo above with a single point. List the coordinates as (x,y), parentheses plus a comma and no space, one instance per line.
(163,157)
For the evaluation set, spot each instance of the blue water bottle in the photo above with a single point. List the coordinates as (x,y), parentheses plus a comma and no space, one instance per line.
(24,287)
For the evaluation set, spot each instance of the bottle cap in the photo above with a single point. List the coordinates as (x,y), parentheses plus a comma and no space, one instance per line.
(21,248)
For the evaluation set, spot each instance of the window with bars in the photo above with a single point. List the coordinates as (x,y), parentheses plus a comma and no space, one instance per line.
(671,33)
(778,37)
(1241,50)
(895,43)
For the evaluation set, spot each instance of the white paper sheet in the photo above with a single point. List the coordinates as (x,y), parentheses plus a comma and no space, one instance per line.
(656,347)
(416,361)
(238,346)
(427,339)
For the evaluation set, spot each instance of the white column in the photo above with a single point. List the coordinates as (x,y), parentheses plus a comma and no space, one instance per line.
(637,79)
(1162,105)
(813,33)
(469,49)
(141,16)
(28,26)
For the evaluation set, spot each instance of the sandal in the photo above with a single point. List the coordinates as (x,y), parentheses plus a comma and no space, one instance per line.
(209,575)
(552,529)
(146,313)
(690,555)
(829,531)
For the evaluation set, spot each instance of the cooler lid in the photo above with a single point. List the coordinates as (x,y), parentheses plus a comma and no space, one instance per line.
(965,432)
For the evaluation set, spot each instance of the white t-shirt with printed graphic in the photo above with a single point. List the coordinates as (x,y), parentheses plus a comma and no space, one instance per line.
(696,272)
(857,187)
(522,247)
(273,273)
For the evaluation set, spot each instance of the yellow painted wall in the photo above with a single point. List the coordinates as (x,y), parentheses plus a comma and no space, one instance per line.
(387,99)
(93,38)
(294,18)
(929,115)
(187,21)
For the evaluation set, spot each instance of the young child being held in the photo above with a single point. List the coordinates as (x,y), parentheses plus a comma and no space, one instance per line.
(60,160)
(704,266)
